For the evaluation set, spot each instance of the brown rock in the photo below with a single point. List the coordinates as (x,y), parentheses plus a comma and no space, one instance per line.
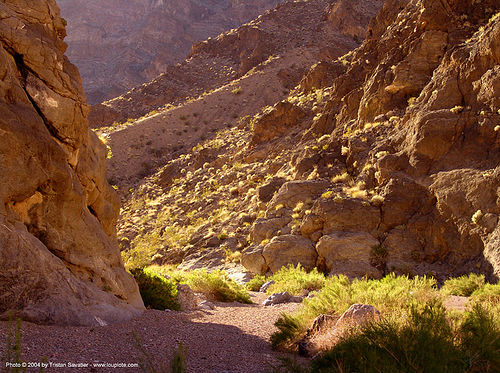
(289,249)
(348,254)
(276,122)
(267,190)
(60,261)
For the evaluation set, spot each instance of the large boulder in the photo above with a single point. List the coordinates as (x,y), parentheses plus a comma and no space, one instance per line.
(289,249)
(59,261)
(253,260)
(348,253)
(276,121)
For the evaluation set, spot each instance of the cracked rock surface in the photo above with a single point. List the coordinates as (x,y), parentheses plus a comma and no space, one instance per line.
(59,260)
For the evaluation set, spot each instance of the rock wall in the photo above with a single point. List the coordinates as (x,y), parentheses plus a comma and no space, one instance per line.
(59,261)
(415,123)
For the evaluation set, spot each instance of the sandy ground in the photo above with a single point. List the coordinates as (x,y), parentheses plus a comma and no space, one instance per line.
(231,338)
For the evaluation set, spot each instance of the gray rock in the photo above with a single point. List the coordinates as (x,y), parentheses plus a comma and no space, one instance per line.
(266,286)
(206,305)
(279,298)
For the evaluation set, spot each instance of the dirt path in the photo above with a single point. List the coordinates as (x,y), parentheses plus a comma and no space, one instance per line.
(231,338)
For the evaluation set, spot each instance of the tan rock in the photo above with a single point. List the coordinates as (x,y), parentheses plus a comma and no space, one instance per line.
(348,254)
(267,228)
(59,261)
(297,191)
(346,215)
(253,260)
(289,249)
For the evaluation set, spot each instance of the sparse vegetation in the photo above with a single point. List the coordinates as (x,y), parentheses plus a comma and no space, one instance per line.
(426,341)
(256,283)
(237,91)
(295,280)
(215,285)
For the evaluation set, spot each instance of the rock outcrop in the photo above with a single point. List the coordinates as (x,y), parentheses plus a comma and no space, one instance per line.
(120,44)
(59,260)
(385,159)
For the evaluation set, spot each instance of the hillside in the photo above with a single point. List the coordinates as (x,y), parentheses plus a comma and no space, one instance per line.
(225,81)
(385,159)
(119,44)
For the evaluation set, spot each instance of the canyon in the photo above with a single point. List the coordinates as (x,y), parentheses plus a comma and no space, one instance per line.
(357,139)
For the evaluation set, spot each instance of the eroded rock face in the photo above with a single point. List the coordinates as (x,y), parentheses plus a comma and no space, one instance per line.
(59,258)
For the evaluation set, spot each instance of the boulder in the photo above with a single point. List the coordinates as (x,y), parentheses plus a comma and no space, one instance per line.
(296,191)
(348,214)
(267,228)
(289,249)
(276,122)
(357,314)
(348,253)
(267,190)
(279,298)
(253,260)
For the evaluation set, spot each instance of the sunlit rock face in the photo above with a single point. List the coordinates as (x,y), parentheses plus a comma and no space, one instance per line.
(59,261)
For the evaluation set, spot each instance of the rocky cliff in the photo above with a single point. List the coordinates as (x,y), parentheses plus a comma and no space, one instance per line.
(119,44)
(59,261)
(385,159)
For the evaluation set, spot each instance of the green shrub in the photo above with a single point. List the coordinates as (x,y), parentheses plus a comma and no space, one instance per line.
(289,327)
(489,293)
(425,341)
(156,291)
(256,283)
(463,285)
(394,295)
(178,363)
(217,285)
(295,280)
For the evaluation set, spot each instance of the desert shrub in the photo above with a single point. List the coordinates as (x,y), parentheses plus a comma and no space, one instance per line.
(149,364)
(463,285)
(217,285)
(295,279)
(422,343)
(156,291)
(13,346)
(391,294)
(426,341)
(487,293)
(256,283)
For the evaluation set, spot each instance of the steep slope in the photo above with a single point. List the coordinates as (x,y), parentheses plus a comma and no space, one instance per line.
(387,159)
(59,258)
(119,44)
(240,71)
(293,27)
